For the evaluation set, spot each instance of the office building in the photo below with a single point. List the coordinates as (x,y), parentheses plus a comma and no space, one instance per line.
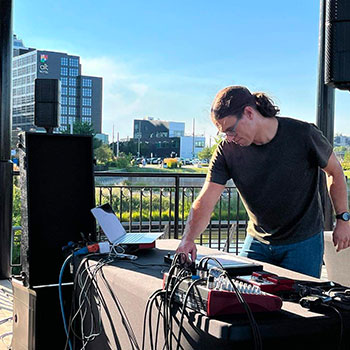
(81,95)
(158,138)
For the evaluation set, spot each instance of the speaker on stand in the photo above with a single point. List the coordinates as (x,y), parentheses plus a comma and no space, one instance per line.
(57,193)
(337,44)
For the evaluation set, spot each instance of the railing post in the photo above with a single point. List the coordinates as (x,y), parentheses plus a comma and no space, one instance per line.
(176,209)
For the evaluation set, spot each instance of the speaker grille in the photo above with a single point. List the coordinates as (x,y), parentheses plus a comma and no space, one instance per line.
(57,189)
(337,44)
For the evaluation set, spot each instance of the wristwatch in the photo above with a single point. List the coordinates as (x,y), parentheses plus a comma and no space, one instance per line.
(344,216)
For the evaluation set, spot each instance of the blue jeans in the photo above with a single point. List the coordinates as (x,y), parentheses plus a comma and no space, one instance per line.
(305,256)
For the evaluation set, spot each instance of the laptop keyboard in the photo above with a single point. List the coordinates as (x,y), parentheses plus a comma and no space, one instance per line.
(133,237)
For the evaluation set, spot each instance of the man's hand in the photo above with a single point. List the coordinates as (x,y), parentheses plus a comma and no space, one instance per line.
(341,235)
(186,247)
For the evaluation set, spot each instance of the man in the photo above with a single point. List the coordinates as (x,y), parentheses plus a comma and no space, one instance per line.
(274,163)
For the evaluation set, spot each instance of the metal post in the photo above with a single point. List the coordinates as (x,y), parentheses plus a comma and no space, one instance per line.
(5,136)
(325,113)
(176,209)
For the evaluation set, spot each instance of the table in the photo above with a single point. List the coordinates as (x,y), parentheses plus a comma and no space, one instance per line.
(132,285)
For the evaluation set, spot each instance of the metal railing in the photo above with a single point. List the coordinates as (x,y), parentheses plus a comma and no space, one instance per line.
(161,202)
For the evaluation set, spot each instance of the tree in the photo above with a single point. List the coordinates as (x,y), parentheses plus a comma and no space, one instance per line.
(205,153)
(347,157)
(104,154)
(83,128)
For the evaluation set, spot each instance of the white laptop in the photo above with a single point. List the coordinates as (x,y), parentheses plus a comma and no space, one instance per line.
(114,230)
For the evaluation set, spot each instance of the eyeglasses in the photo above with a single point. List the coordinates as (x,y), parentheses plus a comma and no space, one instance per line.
(230,131)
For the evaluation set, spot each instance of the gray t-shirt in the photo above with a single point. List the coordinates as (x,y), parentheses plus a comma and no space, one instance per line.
(277,181)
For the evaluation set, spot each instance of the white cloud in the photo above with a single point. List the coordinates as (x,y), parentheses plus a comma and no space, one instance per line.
(129,94)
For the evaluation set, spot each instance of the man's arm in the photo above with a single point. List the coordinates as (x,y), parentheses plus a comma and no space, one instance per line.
(338,192)
(199,217)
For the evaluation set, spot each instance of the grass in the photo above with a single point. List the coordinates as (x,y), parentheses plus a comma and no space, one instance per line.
(156,169)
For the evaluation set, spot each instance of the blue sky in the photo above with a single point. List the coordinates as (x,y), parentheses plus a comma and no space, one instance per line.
(167,59)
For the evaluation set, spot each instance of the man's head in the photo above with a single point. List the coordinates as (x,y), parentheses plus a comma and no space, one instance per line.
(235,112)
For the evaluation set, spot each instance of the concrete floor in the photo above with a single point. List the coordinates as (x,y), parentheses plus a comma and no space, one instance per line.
(5,312)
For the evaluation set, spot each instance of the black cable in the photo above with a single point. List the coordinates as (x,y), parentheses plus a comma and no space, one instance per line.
(154,294)
(184,307)
(341,327)
(253,324)
(125,320)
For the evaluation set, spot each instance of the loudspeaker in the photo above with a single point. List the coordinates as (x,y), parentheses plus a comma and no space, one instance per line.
(57,194)
(37,318)
(47,103)
(337,44)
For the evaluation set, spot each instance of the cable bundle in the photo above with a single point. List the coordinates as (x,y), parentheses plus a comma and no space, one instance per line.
(163,300)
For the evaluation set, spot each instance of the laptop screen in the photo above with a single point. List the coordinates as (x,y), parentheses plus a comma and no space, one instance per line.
(109,222)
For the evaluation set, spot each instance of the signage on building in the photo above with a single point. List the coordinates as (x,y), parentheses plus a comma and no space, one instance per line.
(44,67)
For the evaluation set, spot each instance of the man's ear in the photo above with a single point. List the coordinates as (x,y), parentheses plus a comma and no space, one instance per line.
(249,112)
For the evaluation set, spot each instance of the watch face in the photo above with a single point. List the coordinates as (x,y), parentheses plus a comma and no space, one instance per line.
(346,216)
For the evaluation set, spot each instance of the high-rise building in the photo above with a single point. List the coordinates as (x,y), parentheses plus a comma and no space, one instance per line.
(81,95)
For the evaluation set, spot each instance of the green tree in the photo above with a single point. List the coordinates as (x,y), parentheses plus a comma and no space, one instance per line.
(83,128)
(104,154)
(205,153)
(347,157)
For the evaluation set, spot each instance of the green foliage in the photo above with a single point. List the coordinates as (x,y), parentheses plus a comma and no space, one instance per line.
(121,162)
(104,154)
(347,157)
(96,143)
(345,165)
(83,128)
(206,153)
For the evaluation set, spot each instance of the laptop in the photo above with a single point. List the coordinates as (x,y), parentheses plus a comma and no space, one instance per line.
(114,230)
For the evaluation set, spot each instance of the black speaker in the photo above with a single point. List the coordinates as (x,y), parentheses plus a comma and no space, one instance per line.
(47,103)
(57,193)
(337,44)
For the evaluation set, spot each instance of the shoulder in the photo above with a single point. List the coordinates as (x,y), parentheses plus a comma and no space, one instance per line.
(299,127)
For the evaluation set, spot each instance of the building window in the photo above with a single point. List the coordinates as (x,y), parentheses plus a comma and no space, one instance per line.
(87,83)
(72,111)
(64,81)
(86,101)
(64,71)
(72,82)
(86,111)
(63,110)
(71,120)
(64,100)
(72,101)
(64,61)
(87,92)
(199,144)
(86,120)
(63,120)
(72,91)
(73,72)
(160,134)
(73,62)
(64,91)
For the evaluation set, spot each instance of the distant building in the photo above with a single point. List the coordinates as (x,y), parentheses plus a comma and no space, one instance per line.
(341,140)
(159,138)
(190,146)
(81,95)
(103,138)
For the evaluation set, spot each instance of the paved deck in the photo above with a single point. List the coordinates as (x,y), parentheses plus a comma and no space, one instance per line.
(5,313)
